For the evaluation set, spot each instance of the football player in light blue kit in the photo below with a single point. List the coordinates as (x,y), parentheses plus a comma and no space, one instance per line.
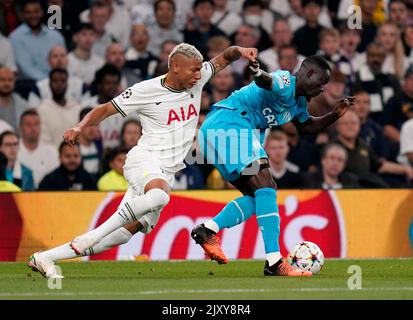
(231,139)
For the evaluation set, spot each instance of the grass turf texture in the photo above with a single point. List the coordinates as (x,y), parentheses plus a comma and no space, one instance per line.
(381,279)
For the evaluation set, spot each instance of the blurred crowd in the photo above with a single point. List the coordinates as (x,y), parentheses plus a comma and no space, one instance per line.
(50,78)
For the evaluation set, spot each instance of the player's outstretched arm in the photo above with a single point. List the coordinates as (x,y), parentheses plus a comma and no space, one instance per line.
(262,78)
(93,118)
(231,54)
(316,124)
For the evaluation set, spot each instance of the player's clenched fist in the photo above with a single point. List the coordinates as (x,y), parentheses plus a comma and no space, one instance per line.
(71,136)
(343,105)
(249,53)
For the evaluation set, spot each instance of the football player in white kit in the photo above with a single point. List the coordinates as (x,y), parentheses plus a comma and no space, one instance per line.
(168,108)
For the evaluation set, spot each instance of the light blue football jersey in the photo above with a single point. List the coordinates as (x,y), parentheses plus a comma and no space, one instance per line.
(267,108)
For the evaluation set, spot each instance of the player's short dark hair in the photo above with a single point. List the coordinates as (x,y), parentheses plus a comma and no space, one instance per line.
(158,2)
(198,2)
(58,70)
(64,144)
(84,112)
(107,69)
(287,46)
(318,61)
(28,112)
(114,152)
(330,146)
(7,133)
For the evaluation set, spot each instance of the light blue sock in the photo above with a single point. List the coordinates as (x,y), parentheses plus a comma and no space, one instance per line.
(235,212)
(268,218)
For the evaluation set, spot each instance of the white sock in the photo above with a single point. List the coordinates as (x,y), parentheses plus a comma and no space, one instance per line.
(212,225)
(130,211)
(64,251)
(273,257)
(117,237)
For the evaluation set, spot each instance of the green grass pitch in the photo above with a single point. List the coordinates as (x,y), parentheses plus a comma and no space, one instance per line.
(203,280)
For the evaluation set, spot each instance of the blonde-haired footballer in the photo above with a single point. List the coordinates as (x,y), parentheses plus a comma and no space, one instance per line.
(168,107)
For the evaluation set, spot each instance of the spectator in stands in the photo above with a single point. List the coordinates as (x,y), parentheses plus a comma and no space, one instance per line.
(166,48)
(16,172)
(352,60)
(98,17)
(70,175)
(306,38)
(130,133)
(389,37)
(326,101)
(370,21)
(58,112)
(398,110)
(71,16)
(370,131)
(32,42)
(199,28)
(164,27)
(11,104)
(9,16)
(302,153)
(115,55)
(224,18)
(332,174)
(7,54)
(216,45)
(222,85)
(140,62)
(295,14)
(90,146)
(281,36)
(362,160)
(398,13)
(406,143)
(6,186)
(106,84)
(39,157)
(75,87)
(246,36)
(285,173)
(82,62)
(254,14)
(288,58)
(379,85)
(114,179)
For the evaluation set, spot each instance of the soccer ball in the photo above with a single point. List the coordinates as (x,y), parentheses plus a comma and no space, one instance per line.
(306,256)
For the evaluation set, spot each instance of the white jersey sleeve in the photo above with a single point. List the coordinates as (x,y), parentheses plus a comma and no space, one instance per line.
(130,100)
(207,72)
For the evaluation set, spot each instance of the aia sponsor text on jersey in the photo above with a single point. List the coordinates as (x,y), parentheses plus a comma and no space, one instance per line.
(182,114)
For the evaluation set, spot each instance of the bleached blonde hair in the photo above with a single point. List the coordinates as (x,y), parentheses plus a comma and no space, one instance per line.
(187,50)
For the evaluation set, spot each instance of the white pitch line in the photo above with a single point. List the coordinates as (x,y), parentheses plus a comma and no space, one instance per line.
(160,292)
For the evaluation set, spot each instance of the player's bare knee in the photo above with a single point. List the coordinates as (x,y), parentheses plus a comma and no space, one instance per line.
(263,179)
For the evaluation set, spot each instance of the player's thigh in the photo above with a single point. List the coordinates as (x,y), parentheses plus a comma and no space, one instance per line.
(146,174)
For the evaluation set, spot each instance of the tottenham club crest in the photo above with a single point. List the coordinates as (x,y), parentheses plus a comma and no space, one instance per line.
(127,93)
(286,80)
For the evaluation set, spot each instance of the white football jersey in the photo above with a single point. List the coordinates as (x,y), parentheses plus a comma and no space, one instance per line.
(168,117)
